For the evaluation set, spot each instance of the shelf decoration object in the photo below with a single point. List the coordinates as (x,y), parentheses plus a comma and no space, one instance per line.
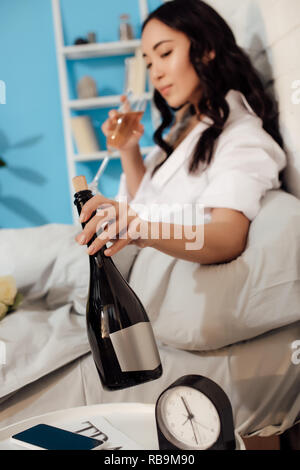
(135,74)
(84,134)
(80,41)
(87,88)
(92,37)
(125,29)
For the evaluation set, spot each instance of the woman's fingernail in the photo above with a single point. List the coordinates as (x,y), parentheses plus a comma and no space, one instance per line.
(91,250)
(82,217)
(81,239)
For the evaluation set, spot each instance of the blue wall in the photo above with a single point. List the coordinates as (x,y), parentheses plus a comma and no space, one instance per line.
(34,186)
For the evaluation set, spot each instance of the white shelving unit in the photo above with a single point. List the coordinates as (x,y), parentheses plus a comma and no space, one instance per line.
(102,154)
(100,102)
(100,49)
(87,51)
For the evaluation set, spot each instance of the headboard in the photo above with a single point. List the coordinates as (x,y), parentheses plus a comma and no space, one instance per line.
(269,31)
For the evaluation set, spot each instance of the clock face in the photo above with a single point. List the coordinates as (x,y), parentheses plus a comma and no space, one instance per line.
(188,418)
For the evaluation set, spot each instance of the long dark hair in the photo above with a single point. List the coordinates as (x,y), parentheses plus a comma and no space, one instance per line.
(231,69)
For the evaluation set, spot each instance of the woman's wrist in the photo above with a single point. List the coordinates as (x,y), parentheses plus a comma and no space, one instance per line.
(134,168)
(131,153)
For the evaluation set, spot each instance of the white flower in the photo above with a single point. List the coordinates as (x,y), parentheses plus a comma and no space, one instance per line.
(3,310)
(8,290)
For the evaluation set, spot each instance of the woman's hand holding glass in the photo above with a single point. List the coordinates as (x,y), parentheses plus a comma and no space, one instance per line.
(123,130)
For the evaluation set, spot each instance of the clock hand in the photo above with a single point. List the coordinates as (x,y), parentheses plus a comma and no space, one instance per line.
(191,418)
(190,415)
(187,419)
(200,424)
(194,431)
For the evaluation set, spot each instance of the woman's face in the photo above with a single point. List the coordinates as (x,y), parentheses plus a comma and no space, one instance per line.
(166,53)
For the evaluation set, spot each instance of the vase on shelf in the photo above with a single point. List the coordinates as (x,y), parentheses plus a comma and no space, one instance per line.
(87,88)
(125,28)
(91,37)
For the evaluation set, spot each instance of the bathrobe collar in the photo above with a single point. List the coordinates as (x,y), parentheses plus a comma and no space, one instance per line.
(181,155)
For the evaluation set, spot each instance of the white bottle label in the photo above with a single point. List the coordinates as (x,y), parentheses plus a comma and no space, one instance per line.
(135,347)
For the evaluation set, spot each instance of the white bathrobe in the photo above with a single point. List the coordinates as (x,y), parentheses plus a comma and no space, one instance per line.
(246,163)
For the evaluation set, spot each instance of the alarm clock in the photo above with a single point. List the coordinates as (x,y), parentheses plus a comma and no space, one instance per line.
(194,413)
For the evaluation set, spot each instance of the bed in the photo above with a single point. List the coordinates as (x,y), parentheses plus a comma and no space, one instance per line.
(48,361)
(237,323)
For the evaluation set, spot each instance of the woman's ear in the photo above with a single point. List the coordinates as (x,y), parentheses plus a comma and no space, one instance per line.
(209,56)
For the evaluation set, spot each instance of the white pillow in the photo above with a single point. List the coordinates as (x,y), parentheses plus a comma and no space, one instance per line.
(204,307)
(268,32)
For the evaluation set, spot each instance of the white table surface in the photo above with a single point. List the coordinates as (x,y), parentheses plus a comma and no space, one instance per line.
(136,420)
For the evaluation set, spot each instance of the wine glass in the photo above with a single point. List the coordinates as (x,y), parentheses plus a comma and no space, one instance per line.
(125,123)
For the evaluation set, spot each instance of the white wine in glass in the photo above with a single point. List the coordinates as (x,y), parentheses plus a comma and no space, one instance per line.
(125,124)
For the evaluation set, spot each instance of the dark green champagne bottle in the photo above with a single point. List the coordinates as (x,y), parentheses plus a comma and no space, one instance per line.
(119,331)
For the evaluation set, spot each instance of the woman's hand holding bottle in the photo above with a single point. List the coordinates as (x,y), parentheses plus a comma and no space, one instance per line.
(114,222)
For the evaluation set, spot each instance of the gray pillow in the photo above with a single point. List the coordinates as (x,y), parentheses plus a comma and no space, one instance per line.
(201,307)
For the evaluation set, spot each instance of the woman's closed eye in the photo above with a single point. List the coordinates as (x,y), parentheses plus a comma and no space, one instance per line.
(165,54)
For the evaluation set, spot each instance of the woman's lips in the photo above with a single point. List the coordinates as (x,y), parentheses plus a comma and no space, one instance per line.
(165,90)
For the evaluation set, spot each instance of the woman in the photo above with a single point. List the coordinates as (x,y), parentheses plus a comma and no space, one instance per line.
(223,150)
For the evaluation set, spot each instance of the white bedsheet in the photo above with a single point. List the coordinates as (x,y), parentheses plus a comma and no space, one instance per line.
(38,341)
(258,376)
(48,329)
(47,263)
(46,334)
